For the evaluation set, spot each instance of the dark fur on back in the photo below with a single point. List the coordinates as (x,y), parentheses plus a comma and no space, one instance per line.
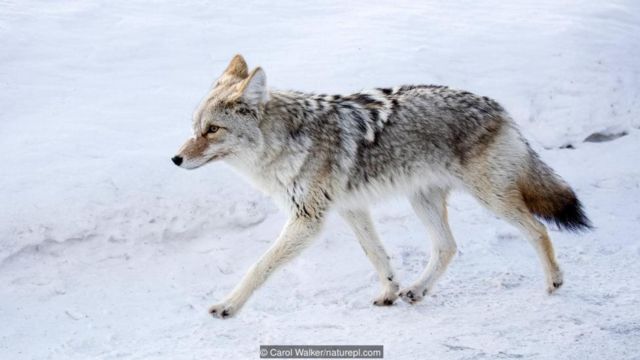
(387,132)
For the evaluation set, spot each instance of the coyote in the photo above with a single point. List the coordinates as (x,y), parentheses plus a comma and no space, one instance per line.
(314,153)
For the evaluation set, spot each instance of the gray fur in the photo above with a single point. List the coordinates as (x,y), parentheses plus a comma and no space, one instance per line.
(315,152)
(375,138)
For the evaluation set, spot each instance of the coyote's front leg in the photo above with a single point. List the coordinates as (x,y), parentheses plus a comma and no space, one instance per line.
(297,233)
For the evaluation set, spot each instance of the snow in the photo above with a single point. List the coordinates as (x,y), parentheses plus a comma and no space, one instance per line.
(109,251)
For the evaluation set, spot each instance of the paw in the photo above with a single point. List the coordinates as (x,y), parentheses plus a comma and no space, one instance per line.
(386,298)
(222,310)
(555,282)
(412,295)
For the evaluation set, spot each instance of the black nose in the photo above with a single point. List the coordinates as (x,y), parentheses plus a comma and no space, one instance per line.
(177,160)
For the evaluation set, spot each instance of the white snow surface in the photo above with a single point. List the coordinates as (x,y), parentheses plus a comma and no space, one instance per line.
(107,250)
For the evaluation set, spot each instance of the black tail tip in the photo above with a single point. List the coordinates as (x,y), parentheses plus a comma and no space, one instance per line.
(571,217)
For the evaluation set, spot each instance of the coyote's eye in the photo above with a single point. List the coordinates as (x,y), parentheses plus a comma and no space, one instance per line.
(213,129)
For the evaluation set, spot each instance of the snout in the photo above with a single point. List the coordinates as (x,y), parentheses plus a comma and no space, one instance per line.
(196,152)
(177,160)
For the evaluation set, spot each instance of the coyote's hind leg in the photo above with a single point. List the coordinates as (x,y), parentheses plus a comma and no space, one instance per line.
(431,208)
(510,206)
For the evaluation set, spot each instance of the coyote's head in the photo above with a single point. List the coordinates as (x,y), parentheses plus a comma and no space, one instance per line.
(226,122)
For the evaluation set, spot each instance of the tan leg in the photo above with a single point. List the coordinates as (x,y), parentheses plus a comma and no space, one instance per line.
(430,206)
(509,206)
(296,235)
(539,239)
(362,226)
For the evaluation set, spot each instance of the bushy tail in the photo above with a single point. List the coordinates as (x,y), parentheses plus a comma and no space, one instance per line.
(547,196)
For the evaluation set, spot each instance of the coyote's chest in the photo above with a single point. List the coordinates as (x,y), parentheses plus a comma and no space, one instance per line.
(281,179)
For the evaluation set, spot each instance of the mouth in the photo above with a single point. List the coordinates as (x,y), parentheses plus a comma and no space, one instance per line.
(217,157)
(189,166)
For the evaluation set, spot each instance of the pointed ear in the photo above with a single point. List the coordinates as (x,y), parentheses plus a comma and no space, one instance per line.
(254,88)
(237,67)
